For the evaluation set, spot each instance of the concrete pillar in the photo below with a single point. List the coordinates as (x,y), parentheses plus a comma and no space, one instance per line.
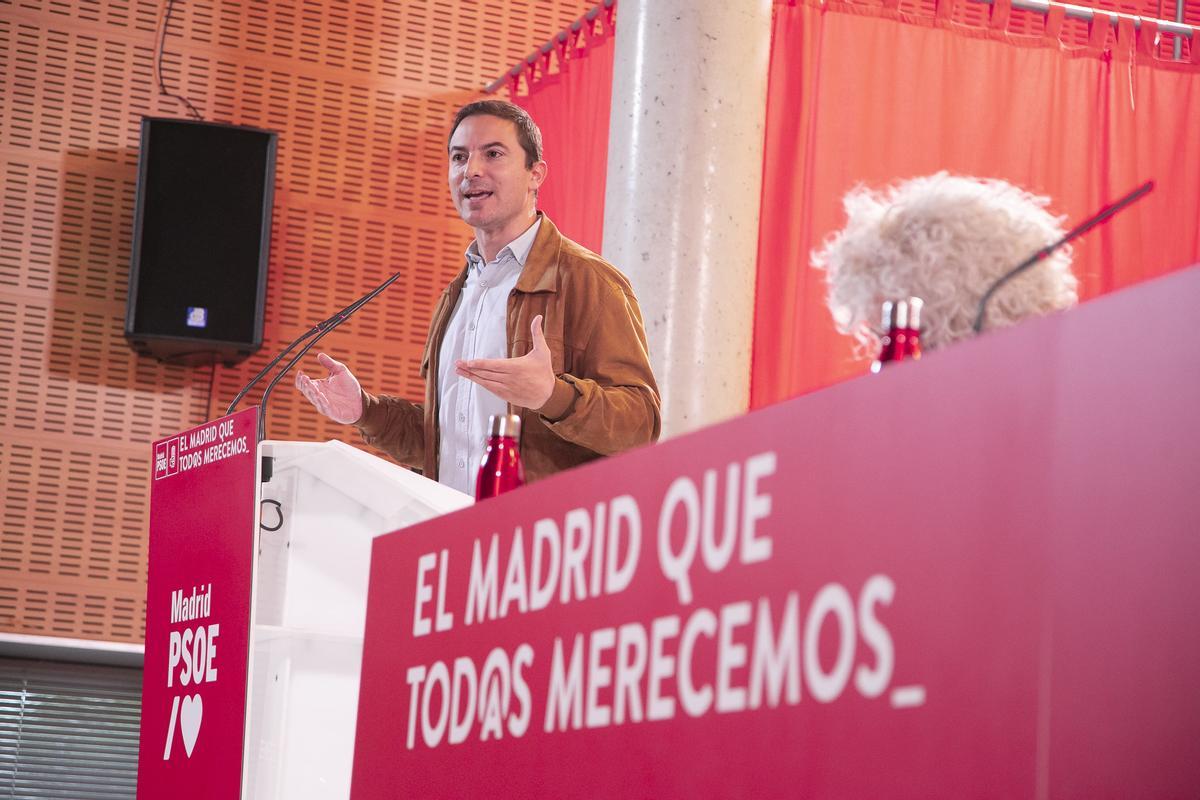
(681,205)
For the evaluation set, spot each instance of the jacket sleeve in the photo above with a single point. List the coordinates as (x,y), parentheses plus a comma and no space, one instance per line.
(612,404)
(396,426)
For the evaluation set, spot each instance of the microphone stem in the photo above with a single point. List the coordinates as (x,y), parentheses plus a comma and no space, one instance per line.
(1045,252)
(329,325)
(316,329)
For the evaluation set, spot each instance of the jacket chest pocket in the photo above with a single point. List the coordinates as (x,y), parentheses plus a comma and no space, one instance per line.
(558,353)
(523,308)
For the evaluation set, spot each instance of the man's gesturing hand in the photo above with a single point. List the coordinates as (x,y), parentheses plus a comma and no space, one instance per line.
(526,381)
(338,396)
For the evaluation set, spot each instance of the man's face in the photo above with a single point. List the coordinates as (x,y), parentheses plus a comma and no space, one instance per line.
(489,183)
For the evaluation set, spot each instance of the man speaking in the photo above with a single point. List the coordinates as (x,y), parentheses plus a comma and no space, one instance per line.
(534,325)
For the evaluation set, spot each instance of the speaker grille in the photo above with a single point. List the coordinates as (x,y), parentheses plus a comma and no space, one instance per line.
(360,93)
(200,239)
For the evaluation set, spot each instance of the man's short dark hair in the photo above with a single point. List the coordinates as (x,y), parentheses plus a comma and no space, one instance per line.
(528,134)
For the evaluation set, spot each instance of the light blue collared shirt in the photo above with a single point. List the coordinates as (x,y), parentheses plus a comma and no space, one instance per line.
(477,329)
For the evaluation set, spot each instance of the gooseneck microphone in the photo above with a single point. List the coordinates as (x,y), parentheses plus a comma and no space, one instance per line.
(1101,216)
(317,333)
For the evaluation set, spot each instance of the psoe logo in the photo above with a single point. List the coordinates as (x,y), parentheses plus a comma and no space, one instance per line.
(166,459)
(160,460)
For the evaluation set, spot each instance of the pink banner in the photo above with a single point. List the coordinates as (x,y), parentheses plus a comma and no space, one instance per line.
(202,535)
(967,576)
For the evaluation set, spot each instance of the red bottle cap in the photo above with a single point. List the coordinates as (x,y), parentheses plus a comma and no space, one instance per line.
(902,314)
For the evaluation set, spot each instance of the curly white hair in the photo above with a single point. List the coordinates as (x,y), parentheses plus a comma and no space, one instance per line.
(945,239)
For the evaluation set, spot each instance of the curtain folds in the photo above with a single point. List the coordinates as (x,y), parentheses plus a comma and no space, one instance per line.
(571,106)
(860,93)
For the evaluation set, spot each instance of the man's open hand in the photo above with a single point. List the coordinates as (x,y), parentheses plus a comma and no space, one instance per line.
(526,381)
(338,396)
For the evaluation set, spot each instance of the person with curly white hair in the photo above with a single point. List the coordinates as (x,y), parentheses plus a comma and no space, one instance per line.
(945,239)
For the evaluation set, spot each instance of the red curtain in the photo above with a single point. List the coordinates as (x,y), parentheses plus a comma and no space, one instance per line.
(571,105)
(860,93)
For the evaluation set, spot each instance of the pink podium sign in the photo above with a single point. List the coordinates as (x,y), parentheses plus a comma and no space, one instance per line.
(202,534)
(971,576)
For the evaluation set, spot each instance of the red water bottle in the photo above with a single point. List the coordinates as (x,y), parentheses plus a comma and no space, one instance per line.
(912,331)
(901,337)
(501,469)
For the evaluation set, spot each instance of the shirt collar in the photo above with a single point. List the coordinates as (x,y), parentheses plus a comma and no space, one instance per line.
(518,248)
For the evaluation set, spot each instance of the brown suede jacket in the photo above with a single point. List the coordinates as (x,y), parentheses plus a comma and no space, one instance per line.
(604,400)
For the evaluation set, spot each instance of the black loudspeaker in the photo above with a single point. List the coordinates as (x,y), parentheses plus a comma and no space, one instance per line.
(201,239)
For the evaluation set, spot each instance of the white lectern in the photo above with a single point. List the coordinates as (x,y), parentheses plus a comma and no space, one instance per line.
(326,503)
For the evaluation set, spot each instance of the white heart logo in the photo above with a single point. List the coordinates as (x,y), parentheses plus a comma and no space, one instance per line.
(190,714)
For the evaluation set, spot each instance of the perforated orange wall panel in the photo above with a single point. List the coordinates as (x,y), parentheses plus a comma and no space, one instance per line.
(360,94)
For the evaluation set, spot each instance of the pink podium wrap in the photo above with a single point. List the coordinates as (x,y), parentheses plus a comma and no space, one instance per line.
(968,576)
(202,538)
